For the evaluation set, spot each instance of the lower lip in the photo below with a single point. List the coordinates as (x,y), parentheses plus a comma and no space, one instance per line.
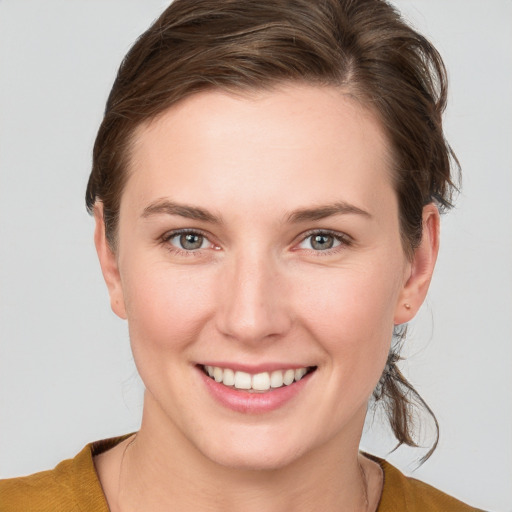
(256,402)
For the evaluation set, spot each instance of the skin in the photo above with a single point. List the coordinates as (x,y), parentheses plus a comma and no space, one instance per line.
(256,293)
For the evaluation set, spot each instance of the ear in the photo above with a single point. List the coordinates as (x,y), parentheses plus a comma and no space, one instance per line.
(420,268)
(109,264)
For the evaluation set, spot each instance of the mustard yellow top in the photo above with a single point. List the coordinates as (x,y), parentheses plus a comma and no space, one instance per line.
(73,486)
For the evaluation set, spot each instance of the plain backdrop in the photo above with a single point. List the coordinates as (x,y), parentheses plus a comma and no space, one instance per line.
(66,372)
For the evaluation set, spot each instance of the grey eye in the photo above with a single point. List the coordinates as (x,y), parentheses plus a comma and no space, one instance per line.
(320,242)
(189,241)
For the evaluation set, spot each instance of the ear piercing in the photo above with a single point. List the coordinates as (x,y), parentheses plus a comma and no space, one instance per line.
(407,305)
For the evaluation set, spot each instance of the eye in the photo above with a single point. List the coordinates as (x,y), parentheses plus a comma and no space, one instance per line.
(323,241)
(188,240)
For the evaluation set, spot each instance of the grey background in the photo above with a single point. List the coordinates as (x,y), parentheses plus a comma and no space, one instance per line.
(66,373)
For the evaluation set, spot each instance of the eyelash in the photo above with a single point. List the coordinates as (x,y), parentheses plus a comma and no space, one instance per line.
(343,239)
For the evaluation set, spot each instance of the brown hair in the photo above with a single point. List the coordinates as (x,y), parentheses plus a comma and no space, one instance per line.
(362,46)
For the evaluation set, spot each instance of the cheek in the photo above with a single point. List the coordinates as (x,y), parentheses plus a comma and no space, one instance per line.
(165,308)
(351,312)
(360,298)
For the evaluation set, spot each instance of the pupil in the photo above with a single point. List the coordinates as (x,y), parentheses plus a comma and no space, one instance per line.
(322,242)
(191,241)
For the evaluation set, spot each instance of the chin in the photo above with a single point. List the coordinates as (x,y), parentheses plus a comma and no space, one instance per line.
(253,455)
(258,461)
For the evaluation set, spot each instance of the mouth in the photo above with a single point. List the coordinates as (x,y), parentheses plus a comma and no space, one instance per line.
(258,382)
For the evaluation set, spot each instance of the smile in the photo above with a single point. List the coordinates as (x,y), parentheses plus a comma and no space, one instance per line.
(263,381)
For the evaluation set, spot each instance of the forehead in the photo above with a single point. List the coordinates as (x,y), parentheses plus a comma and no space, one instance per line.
(313,142)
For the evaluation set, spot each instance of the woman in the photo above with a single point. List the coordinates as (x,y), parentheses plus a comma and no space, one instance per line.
(266,187)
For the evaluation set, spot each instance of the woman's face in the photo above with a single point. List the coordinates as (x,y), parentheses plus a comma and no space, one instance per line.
(259,235)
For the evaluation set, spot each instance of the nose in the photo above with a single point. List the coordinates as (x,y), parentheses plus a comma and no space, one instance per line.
(253,300)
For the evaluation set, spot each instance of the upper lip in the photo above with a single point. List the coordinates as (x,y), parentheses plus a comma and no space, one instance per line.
(254,369)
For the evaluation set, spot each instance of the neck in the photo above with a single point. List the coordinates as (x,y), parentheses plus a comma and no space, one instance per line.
(161,470)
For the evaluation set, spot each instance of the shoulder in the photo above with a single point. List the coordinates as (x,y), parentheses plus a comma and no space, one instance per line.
(44,491)
(410,495)
(72,486)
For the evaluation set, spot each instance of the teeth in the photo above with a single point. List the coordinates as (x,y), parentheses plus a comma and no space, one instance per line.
(258,382)
(261,381)
(217,374)
(229,377)
(242,380)
(276,379)
(289,377)
(299,373)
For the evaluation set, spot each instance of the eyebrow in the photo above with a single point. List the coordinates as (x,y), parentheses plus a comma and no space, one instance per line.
(322,212)
(164,206)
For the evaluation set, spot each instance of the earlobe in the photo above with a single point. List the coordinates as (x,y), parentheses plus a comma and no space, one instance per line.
(421,268)
(109,264)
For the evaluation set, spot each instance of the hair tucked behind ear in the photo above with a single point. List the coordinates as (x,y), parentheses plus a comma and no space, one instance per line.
(399,399)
